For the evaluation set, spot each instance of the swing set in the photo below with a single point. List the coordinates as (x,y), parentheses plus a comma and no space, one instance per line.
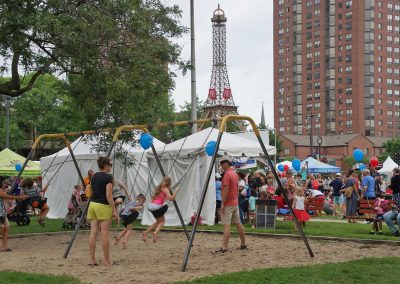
(145,129)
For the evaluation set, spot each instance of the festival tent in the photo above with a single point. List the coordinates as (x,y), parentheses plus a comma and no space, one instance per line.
(388,166)
(186,160)
(315,166)
(8,161)
(64,175)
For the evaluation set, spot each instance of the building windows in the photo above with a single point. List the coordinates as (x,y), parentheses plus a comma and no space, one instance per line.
(349,102)
(348,47)
(348,26)
(349,112)
(349,91)
(348,80)
(349,123)
(317,64)
(348,37)
(348,58)
(349,3)
(317,106)
(348,69)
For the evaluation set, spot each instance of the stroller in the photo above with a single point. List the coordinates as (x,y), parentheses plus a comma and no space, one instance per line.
(74,214)
(17,213)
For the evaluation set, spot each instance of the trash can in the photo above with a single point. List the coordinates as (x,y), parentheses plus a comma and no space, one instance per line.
(266,213)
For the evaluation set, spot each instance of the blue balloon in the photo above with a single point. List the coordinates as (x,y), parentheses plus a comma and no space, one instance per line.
(296,164)
(358,155)
(146,140)
(18,167)
(280,168)
(210,148)
(362,167)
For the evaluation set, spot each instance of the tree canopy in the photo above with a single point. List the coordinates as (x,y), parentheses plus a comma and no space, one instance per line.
(391,146)
(114,55)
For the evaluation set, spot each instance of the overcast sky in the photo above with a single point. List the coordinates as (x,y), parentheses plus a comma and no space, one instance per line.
(249,53)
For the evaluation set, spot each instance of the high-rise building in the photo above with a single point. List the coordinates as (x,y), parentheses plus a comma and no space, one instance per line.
(337,67)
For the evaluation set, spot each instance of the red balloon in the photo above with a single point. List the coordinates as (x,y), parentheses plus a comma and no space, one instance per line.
(373,162)
(285,168)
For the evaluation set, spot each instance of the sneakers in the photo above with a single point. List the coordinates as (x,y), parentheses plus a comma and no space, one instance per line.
(396,234)
(380,233)
(372,232)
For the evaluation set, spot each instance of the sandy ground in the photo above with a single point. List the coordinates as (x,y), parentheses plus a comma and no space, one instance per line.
(161,262)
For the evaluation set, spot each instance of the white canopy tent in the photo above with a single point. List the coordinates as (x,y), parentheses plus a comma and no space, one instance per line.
(388,166)
(62,184)
(192,165)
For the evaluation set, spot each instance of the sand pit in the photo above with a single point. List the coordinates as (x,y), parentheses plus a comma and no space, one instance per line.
(161,262)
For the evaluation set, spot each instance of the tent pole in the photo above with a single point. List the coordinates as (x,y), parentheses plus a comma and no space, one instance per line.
(202,198)
(175,204)
(68,143)
(299,227)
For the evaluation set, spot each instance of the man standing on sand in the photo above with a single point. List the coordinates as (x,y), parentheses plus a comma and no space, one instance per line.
(229,205)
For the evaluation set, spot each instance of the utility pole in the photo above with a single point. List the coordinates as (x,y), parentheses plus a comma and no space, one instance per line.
(311,117)
(193,70)
(8,105)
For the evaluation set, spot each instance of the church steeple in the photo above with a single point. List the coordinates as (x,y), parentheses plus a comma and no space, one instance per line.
(262,123)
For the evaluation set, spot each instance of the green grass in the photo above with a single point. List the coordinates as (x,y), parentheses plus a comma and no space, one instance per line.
(367,270)
(330,229)
(23,277)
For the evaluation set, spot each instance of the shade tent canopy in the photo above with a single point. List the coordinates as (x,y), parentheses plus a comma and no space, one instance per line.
(315,166)
(231,144)
(62,184)
(388,166)
(8,161)
(191,165)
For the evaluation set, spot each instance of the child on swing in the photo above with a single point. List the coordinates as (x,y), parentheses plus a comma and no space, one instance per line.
(128,216)
(158,207)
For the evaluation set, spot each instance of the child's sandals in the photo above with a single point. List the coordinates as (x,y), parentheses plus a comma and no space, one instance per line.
(242,247)
(220,250)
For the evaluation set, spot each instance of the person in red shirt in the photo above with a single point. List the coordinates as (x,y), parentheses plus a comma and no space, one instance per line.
(229,205)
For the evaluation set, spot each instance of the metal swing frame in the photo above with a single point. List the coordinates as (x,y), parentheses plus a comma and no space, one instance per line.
(223,123)
(222,128)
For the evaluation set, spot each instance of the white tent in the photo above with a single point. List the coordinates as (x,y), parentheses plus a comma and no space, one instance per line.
(388,166)
(62,184)
(192,164)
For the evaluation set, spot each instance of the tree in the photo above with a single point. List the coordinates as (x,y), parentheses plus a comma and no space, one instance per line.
(81,37)
(47,108)
(279,146)
(391,146)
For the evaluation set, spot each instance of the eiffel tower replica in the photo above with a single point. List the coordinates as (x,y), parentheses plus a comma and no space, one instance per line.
(220,102)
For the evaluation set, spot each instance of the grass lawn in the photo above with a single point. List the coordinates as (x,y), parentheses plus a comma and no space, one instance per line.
(367,270)
(23,277)
(331,229)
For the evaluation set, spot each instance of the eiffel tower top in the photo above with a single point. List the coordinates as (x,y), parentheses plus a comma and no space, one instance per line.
(219,102)
(218,15)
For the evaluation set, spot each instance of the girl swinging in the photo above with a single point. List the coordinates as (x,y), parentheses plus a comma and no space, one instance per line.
(158,207)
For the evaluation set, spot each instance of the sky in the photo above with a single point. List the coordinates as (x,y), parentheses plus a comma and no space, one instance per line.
(249,53)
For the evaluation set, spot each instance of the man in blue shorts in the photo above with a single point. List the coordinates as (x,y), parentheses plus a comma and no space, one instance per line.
(336,185)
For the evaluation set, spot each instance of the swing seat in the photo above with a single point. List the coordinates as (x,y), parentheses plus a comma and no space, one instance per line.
(160,211)
(38,202)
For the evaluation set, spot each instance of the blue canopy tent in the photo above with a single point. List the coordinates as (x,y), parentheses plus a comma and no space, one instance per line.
(315,166)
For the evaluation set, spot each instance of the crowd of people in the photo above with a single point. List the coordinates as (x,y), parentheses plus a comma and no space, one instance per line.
(341,195)
(236,196)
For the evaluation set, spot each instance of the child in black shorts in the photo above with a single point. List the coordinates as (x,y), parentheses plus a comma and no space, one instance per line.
(128,215)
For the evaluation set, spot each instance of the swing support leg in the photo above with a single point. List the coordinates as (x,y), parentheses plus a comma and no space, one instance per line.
(22,169)
(296,221)
(70,243)
(175,204)
(202,198)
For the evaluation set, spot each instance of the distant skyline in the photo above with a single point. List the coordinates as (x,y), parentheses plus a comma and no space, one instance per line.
(249,53)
